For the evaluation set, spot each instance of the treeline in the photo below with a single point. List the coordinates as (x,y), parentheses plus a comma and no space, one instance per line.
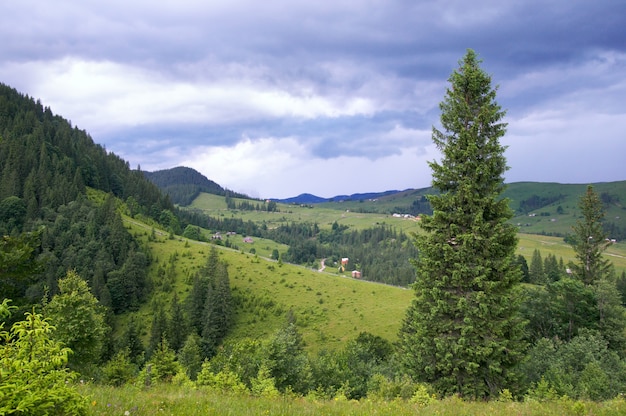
(381,253)
(418,207)
(250,205)
(535,202)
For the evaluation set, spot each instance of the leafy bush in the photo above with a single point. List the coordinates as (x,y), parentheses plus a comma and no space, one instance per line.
(119,370)
(34,377)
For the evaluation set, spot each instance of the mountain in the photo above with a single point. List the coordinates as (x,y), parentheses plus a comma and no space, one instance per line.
(314,199)
(184,184)
(302,199)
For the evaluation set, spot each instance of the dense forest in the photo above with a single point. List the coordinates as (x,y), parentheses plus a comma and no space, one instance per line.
(47,168)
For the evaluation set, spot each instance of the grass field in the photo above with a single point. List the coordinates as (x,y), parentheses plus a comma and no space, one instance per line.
(330,309)
(215,206)
(182,401)
(324,216)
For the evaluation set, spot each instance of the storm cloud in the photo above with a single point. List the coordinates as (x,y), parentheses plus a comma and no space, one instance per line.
(277,98)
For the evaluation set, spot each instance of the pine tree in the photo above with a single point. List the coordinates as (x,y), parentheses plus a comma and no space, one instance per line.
(158,329)
(536,272)
(462,333)
(177,326)
(590,240)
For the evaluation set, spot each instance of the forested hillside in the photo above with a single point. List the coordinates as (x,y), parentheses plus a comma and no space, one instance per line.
(47,169)
(184,184)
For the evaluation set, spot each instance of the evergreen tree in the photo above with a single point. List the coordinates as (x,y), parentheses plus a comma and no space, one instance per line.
(34,379)
(523,265)
(621,286)
(535,272)
(286,360)
(462,332)
(195,303)
(158,329)
(177,327)
(551,269)
(131,342)
(590,240)
(190,356)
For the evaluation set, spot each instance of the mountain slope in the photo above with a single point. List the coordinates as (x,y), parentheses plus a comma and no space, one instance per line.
(184,184)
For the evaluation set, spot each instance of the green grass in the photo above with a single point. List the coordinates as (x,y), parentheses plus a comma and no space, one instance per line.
(616,253)
(215,206)
(181,401)
(330,309)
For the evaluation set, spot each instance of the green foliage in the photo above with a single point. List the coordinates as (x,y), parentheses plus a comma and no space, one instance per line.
(33,376)
(130,340)
(382,388)
(462,332)
(79,320)
(590,240)
(161,367)
(263,384)
(286,360)
(17,263)
(583,368)
(190,356)
(536,274)
(193,233)
(244,358)
(119,370)
(224,380)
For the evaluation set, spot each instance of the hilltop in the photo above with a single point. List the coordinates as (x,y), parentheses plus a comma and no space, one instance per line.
(184,184)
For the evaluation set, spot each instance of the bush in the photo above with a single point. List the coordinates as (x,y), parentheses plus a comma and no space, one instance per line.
(224,380)
(34,377)
(119,370)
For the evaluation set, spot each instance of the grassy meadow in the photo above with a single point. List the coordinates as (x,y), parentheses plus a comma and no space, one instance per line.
(181,401)
(321,214)
(532,229)
(330,308)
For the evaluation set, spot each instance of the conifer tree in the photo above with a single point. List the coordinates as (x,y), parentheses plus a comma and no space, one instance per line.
(536,272)
(590,240)
(177,325)
(462,332)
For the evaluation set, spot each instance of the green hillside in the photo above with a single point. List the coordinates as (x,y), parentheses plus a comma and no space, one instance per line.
(537,231)
(330,309)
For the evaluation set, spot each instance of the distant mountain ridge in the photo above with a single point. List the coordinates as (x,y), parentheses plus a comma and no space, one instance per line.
(184,184)
(314,199)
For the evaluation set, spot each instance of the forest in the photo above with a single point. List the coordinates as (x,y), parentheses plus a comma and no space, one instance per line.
(74,279)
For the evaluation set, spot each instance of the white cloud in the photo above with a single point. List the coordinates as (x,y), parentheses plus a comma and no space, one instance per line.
(283,167)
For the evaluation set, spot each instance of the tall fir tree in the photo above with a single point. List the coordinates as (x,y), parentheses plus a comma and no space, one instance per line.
(535,272)
(590,240)
(177,325)
(462,333)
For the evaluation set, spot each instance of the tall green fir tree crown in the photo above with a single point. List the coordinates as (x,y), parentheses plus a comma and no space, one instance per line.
(463,333)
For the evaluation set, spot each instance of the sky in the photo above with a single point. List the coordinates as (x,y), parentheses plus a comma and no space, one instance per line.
(276,98)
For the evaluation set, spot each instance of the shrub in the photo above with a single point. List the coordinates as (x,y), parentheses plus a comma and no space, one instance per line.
(34,377)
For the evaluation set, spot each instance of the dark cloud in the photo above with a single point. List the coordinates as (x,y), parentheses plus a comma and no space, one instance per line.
(158,81)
